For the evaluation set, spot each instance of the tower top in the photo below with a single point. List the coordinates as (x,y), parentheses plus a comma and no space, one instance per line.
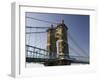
(62,21)
(51,25)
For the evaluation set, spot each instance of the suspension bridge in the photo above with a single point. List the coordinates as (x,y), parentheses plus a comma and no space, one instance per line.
(42,56)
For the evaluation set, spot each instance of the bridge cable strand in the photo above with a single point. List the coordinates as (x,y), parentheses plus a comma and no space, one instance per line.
(35,32)
(76,44)
(29,37)
(79,55)
(39,27)
(41,20)
(74,50)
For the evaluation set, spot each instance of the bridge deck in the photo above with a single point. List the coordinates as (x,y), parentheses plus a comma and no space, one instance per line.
(39,55)
(51,62)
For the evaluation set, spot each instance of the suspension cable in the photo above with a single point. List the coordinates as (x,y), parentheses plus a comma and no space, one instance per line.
(41,20)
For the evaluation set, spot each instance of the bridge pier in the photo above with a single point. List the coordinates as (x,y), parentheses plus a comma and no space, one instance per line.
(57,62)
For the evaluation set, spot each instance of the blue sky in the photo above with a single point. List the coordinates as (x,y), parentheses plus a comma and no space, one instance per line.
(78,27)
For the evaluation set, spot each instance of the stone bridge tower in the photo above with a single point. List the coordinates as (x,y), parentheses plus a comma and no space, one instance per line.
(57,42)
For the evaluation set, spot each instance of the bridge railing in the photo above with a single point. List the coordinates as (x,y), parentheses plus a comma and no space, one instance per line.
(34,52)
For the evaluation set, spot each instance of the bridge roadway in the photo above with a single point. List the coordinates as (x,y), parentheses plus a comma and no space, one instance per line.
(36,54)
(51,62)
